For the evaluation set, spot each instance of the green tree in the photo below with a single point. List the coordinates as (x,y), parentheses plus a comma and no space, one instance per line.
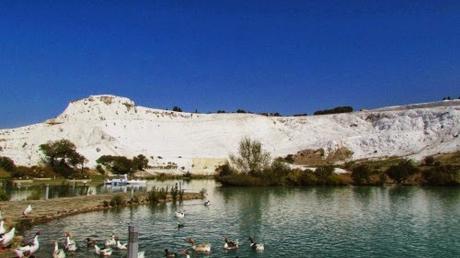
(324,173)
(442,175)
(62,156)
(7,164)
(251,158)
(402,171)
(361,174)
(116,164)
(140,162)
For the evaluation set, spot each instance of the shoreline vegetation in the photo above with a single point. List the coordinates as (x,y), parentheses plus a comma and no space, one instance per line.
(252,167)
(51,209)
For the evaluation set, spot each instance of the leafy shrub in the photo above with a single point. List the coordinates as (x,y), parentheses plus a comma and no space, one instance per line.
(402,171)
(251,158)
(100,169)
(156,194)
(123,165)
(174,193)
(442,175)
(4,196)
(7,164)
(361,174)
(428,161)
(203,192)
(225,170)
(118,200)
(323,173)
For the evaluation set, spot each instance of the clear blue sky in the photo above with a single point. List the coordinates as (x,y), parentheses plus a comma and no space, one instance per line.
(274,56)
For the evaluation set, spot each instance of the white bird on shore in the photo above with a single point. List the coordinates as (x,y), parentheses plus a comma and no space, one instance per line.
(58,253)
(28,250)
(111,242)
(121,246)
(256,246)
(27,211)
(2,227)
(5,240)
(70,244)
(180,214)
(102,252)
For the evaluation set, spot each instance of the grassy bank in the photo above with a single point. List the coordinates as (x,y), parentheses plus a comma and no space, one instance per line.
(433,171)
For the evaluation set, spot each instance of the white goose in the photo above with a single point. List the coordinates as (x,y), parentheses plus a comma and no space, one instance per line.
(58,253)
(256,246)
(70,244)
(5,240)
(180,214)
(28,250)
(2,227)
(121,246)
(102,252)
(111,242)
(27,211)
(200,248)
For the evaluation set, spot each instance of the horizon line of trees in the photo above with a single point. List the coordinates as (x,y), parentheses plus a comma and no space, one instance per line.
(335,110)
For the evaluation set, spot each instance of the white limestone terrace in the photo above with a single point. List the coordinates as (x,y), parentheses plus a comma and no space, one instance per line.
(107,124)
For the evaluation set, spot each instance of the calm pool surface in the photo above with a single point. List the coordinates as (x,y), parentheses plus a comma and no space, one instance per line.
(291,222)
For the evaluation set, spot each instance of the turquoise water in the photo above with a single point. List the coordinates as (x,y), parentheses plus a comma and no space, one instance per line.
(291,222)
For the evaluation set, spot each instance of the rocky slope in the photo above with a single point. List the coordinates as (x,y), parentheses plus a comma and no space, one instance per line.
(114,125)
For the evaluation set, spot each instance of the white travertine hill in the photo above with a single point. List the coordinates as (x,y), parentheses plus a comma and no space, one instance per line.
(107,124)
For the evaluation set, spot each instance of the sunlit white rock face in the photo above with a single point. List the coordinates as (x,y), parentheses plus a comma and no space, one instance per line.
(114,125)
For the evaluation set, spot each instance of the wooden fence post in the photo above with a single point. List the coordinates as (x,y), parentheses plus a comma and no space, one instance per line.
(133,241)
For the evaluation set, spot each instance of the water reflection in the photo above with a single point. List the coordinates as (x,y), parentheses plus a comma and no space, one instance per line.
(47,191)
(291,222)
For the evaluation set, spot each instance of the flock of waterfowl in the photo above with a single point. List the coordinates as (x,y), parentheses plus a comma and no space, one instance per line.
(206,247)
(70,245)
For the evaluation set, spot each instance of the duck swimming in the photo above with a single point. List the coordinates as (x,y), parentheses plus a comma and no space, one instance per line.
(111,242)
(121,246)
(90,242)
(58,253)
(28,250)
(169,254)
(2,227)
(70,244)
(102,252)
(255,246)
(230,245)
(179,214)
(207,203)
(199,248)
(6,239)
